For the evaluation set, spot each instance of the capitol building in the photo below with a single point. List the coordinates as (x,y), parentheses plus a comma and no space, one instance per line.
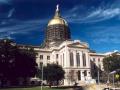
(74,56)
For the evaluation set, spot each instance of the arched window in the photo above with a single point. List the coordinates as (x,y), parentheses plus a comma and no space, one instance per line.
(84,59)
(78,59)
(98,59)
(71,59)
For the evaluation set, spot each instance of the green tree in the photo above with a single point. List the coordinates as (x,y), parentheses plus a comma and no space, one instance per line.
(111,62)
(53,73)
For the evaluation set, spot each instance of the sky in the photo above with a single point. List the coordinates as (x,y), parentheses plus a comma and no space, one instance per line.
(96,22)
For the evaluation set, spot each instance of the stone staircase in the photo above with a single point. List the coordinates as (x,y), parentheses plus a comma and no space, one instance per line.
(81,83)
(94,87)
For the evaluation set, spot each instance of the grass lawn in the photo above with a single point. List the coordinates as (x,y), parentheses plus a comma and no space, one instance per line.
(32,88)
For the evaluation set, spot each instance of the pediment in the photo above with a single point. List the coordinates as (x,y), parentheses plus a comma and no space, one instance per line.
(78,45)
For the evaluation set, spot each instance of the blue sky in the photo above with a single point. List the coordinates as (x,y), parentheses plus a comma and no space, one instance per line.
(96,22)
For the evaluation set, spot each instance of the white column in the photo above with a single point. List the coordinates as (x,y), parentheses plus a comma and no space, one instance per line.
(82,75)
(87,60)
(74,57)
(88,75)
(44,60)
(63,56)
(61,59)
(67,57)
(81,59)
(66,81)
(38,61)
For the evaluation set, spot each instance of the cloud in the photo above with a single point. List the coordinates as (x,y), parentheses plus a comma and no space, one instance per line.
(92,14)
(102,14)
(108,35)
(22,27)
(10,13)
(5,1)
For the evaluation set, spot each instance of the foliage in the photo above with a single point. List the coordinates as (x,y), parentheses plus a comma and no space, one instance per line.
(111,62)
(53,73)
(71,76)
(16,63)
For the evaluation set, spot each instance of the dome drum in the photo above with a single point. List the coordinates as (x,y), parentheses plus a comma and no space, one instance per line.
(57,33)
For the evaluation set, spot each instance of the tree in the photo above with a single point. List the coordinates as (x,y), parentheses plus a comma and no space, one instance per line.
(111,63)
(53,73)
(71,76)
(16,62)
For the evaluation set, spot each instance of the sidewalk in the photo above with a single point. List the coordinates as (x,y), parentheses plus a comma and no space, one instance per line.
(94,87)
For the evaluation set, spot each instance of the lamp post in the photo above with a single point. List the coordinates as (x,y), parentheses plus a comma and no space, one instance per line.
(42,77)
(113,73)
(108,81)
(98,74)
(113,81)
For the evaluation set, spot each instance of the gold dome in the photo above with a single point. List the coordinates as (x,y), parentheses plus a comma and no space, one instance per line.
(57,19)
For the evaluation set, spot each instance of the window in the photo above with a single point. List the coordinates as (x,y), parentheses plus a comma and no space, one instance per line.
(71,59)
(78,59)
(41,57)
(57,62)
(93,59)
(41,64)
(84,59)
(79,75)
(94,66)
(47,64)
(98,59)
(48,57)
(56,56)
(85,73)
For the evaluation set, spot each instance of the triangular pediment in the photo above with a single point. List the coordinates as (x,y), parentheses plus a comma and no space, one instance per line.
(78,45)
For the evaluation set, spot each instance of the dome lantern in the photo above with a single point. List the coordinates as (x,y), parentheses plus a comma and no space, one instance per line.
(57,12)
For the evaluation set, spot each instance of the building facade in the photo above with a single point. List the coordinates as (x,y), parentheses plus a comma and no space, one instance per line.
(73,55)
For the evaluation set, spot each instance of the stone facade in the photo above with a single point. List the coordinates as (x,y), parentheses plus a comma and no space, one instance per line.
(73,56)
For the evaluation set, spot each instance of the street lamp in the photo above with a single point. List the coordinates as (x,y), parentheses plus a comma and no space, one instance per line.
(42,78)
(108,81)
(98,74)
(113,72)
